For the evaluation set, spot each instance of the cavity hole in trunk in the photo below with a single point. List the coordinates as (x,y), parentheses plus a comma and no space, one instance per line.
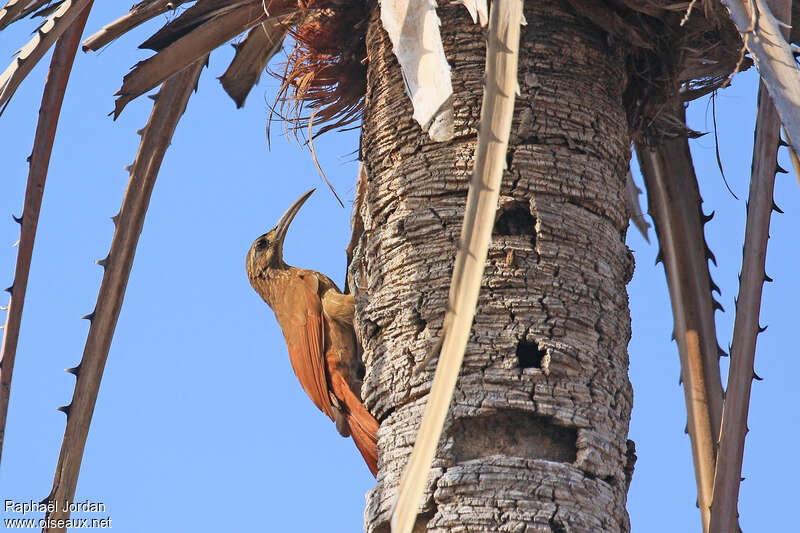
(513,433)
(516,219)
(529,355)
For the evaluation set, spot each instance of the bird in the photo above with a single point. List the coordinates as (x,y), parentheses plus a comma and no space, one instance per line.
(317,324)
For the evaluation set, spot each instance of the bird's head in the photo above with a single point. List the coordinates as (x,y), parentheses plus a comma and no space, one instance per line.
(266,253)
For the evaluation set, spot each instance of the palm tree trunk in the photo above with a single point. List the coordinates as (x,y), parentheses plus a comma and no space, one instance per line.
(537,432)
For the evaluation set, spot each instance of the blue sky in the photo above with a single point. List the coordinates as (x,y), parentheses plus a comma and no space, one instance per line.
(200,424)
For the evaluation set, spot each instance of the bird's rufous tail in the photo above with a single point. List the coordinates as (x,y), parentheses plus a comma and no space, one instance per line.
(363,426)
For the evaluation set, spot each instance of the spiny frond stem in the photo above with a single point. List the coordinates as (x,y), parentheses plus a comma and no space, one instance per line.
(727,476)
(167,110)
(53,97)
(675,205)
(746,327)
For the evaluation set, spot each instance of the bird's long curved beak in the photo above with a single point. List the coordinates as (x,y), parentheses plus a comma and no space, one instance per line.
(282,227)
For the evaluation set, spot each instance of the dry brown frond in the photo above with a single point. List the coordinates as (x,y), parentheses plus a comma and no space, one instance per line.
(326,70)
(675,52)
(52,99)
(252,55)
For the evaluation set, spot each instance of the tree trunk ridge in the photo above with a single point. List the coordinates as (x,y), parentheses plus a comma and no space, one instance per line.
(536,437)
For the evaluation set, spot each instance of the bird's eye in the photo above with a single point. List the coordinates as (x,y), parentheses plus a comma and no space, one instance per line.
(261,244)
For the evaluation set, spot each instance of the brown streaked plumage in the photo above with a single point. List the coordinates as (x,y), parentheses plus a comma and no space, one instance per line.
(317,323)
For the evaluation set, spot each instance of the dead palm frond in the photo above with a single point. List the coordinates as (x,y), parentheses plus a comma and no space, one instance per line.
(15,10)
(413,29)
(30,54)
(139,14)
(169,106)
(762,35)
(776,107)
(251,58)
(326,70)
(746,325)
(180,48)
(497,110)
(676,207)
(53,97)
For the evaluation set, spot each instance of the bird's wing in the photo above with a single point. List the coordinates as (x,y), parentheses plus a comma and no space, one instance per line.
(305,339)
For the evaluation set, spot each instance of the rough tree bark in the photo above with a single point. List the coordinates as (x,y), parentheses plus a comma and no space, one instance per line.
(536,438)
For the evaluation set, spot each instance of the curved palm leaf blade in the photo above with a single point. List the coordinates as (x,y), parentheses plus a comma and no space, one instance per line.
(31,53)
(12,12)
(208,34)
(53,97)
(746,327)
(47,10)
(15,10)
(201,13)
(675,204)
(252,56)
(139,14)
(497,112)
(167,110)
